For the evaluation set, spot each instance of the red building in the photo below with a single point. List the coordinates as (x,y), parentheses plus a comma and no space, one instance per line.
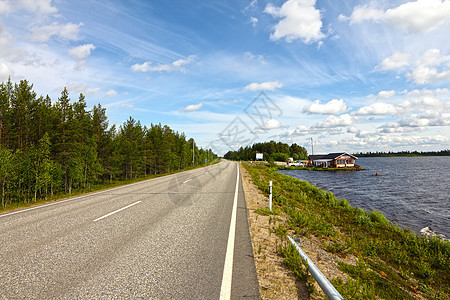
(332,160)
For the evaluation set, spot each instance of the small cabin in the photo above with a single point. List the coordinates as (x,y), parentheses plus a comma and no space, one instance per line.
(332,160)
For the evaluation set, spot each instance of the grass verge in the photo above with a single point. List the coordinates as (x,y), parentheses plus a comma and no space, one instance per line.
(91,189)
(392,263)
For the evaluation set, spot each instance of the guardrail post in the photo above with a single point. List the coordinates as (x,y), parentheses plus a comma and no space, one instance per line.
(326,286)
(270,196)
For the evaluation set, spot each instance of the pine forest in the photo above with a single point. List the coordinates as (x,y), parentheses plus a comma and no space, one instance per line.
(57,147)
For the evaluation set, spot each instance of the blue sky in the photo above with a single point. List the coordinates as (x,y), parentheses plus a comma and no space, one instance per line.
(352,75)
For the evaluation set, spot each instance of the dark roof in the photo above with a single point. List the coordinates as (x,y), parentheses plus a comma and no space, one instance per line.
(329,156)
(317,156)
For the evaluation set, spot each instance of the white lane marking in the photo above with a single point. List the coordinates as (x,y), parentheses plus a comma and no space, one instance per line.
(116,211)
(96,193)
(187,180)
(225,290)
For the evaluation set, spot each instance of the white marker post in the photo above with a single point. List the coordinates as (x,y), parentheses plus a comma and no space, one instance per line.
(270,196)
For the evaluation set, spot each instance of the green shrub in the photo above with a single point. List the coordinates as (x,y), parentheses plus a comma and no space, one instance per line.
(378,217)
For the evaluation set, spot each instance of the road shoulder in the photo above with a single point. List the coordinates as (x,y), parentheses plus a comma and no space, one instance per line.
(275,280)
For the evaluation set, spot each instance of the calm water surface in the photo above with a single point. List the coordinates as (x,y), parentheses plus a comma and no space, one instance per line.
(413,192)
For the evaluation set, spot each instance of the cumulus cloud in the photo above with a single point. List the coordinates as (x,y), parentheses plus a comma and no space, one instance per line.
(385,94)
(378,108)
(426,119)
(299,20)
(5,71)
(335,121)
(110,93)
(272,124)
(426,92)
(397,60)
(178,65)
(420,16)
(80,54)
(431,67)
(193,107)
(44,33)
(332,107)
(265,86)
(425,102)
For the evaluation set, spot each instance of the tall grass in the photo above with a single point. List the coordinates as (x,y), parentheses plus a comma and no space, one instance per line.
(393,263)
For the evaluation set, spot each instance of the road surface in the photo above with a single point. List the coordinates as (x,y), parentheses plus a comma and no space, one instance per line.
(163,238)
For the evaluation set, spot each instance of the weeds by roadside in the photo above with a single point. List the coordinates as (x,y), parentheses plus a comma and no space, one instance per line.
(393,263)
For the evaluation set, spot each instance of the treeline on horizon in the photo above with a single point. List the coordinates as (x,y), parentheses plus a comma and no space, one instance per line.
(271,150)
(404,153)
(49,148)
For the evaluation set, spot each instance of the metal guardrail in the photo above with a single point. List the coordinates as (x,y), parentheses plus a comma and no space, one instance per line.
(323,282)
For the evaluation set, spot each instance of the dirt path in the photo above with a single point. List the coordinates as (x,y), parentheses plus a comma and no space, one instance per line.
(275,280)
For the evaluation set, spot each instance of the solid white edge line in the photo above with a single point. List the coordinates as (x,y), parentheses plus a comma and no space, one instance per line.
(94,193)
(116,211)
(225,290)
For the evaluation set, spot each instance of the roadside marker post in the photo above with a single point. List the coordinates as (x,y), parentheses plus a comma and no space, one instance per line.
(270,196)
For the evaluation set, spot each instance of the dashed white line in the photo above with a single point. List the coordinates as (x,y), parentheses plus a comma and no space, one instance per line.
(225,290)
(187,180)
(116,211)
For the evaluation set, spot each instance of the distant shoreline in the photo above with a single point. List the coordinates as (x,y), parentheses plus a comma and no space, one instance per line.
(404,154)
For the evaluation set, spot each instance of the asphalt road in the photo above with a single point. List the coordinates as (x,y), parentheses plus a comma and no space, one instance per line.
(162,238)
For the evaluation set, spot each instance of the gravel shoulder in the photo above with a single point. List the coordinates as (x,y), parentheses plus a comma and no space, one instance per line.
(276,281)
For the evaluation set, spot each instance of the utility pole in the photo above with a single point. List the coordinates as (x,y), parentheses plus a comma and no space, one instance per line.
(193,143)
(312,147)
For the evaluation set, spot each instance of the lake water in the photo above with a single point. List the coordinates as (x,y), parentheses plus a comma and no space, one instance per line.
(412,192)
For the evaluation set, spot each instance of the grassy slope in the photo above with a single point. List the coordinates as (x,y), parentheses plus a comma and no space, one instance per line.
(392,263)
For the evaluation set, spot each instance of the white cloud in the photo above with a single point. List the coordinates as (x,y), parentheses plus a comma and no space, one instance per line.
(254,21)
(424,102)
(426,119)
(5,7)
(426,92)
(44,33)
(81,88)
(254,57)
(332,107)
(81,52)
(42,7)
(265,86)
(431,67)
(378,108)
(335,121)
(299,20)
(38,6)
(6,39)
(420,16)
(127,105)
(178,65)
(397,60)
(385,94)
(272,124)
(193,107)
(5,71)
(110,93)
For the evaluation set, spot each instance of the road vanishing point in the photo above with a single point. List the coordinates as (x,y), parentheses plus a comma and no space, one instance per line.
(181,236)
